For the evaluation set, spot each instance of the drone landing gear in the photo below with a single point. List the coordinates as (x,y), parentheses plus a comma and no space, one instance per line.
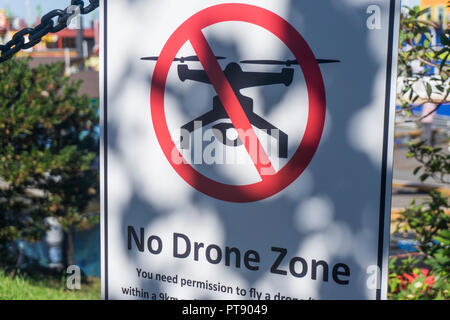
(280,136)
(215,115)
(204,120)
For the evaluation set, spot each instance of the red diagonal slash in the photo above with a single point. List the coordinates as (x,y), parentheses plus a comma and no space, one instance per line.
(231,103)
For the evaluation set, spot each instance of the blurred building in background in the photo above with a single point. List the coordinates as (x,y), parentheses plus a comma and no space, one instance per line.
(61,46)
(438,11)
(80,57)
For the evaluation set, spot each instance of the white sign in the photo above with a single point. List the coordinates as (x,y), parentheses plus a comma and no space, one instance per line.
(247,148)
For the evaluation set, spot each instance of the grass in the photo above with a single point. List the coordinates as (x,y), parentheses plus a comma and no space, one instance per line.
(23,287)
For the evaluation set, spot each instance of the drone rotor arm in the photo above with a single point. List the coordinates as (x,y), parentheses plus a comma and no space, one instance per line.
(256,79)
(287,63)
(184,73)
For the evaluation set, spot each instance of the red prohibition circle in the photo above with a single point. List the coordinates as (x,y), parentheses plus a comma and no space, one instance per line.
(270,184)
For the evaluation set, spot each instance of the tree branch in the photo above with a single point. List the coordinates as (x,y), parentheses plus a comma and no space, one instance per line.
(424,116)
(433,64)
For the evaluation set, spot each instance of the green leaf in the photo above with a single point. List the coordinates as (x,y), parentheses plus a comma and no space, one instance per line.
(417,38)
(444,39)
(416,170)
(421,12)
(443,62)
(429,90)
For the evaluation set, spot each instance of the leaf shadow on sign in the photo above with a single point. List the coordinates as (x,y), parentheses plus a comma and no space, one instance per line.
(341,185)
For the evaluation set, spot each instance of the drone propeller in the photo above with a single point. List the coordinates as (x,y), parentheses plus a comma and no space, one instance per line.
(181,59)
(287,63)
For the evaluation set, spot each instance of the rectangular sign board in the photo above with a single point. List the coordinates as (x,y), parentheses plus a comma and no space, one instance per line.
(247,148)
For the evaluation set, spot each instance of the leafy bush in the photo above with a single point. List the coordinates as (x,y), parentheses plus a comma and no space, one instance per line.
(423,275)
(430,224)
(47,146)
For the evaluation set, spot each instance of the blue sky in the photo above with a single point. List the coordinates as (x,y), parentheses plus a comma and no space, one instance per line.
(19,8)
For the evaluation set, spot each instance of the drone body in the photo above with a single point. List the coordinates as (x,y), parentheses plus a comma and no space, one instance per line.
(238,79)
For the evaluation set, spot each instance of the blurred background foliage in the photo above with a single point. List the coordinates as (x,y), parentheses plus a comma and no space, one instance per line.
(48,145)
(425,273)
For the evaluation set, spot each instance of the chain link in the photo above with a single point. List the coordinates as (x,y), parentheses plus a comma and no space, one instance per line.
(52,22)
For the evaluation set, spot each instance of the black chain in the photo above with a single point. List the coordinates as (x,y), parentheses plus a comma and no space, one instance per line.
(52,22)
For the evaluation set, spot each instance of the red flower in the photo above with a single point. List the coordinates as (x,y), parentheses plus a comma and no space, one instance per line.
(429,280)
